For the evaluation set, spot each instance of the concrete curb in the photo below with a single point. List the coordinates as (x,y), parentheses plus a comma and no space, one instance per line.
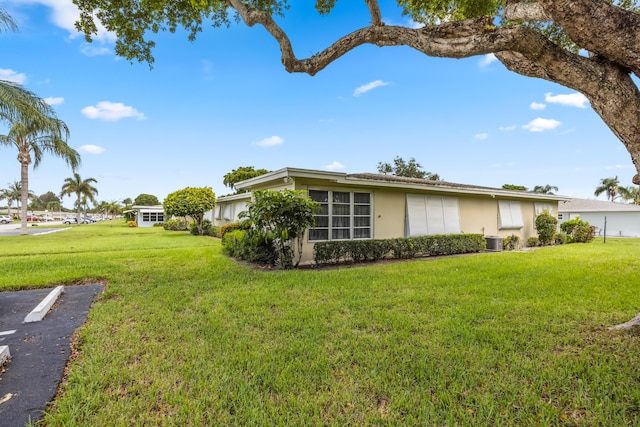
(4,354)
(41,310)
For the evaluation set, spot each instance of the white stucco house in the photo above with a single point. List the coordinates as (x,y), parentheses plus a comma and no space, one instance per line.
(622,220)
(147,216)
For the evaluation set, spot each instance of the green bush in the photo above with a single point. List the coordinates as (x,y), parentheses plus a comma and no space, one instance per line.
(511,243)
(229,227)
(546,225)
(410,247)
(578,231)
(206,228)
(175,225)
(532,242)
(250,246)
(561,238)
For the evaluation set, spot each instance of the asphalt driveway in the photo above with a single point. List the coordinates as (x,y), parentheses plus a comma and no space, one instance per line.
(39,350)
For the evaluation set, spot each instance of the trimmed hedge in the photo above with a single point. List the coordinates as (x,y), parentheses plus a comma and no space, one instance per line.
(411,247)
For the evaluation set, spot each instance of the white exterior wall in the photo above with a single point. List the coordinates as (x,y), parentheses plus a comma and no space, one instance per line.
(619,224)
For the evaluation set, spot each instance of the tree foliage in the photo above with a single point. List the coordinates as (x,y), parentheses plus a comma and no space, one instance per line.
(190,201)
(283,216)
(544,189)
(609,186)
(146,200)
(240,174)
(410,169)
(82,188)
(546,226)
(514,187)
(541,39)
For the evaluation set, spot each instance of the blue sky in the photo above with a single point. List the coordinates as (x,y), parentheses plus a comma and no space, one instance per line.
(225,101)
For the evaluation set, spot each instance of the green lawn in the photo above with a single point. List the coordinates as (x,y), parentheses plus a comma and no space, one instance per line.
(185,336)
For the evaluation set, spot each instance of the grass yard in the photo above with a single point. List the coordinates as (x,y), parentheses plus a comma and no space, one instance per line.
(184,336)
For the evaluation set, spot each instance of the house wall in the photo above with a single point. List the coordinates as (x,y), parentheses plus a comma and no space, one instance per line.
(478,214)
(142,223)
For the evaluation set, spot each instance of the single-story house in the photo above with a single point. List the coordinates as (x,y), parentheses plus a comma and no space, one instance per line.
(376,206)
(622,220)
(147,216)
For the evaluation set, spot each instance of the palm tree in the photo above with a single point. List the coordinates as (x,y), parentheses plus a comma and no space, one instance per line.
(81,188)
(630,194)
(12,193)
(544,189)
(33,137)
(609,186)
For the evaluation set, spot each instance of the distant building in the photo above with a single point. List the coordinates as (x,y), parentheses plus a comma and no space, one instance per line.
(622,220)
(148,216)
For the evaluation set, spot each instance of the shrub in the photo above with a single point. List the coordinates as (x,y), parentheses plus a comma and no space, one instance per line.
(532,242)
(578,231)
(511,243)
(410,247)
(250,246)
(214,231)
(132,224)
(175,225)
(561,238)
(546,225)
(203,230)
(227,228)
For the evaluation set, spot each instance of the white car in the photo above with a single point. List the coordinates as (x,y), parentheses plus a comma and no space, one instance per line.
(5,219)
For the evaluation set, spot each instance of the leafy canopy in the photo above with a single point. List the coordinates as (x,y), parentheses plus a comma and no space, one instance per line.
(410,169)
(242,173)
(146,200)
(190,201)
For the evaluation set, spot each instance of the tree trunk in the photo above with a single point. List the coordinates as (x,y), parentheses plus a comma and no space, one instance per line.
(633,323)
(24,159)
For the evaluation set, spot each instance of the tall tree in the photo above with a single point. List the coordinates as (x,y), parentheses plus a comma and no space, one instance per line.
(541,39)
(609,186)
(410,169)
(545,189)
(12,193)
(631,194)
(33,137)
(146,200)
(82,188)
(514,187)
(240,174)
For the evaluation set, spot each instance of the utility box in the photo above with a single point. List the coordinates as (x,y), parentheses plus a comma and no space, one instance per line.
(494,243)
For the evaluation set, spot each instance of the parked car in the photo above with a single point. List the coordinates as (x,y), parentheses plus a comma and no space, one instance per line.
(46,218)
(33,218)
(88,220)
(70,221)
(5,219)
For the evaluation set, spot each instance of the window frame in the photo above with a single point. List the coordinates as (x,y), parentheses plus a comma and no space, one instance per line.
(333,213)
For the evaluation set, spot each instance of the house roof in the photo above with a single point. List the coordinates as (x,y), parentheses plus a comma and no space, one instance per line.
(285,175)
(587,205)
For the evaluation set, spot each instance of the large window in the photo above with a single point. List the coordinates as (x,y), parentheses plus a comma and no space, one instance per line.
(342,215)
(428,215)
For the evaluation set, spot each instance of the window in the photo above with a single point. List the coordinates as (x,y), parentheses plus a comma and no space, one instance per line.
(509,214)
(153,216)
(541,207)
(428,215)
(342,215)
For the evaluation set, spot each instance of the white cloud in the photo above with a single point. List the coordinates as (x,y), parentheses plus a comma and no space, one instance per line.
(12,76)
(481,135)
(540,125)
(54,101)
(91,149)
(111,111)
(369,86)
(507,128)
(572,100)
(272,141)
(487,59)
(335,165)
(64,14)
(91,50)
(537,106)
